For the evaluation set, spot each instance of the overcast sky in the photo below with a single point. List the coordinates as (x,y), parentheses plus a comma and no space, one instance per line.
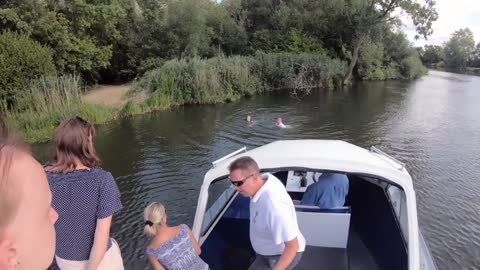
(452,15)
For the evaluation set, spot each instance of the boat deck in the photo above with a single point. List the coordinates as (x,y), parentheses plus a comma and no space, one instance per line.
(355,257)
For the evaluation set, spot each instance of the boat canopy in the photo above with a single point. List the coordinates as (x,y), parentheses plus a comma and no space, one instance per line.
(330,155)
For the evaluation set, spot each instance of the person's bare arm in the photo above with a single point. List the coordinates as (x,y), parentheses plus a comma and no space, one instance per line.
(100,242)
(154,262)
(196,246)
(289,253)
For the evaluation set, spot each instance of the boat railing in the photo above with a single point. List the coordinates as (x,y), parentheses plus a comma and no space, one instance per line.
(243,149)
(380,152)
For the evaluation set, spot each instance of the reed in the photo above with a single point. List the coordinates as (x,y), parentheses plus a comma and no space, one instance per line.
(38,110)
(224,79)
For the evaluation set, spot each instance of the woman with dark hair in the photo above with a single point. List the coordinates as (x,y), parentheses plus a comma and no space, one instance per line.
(85,197)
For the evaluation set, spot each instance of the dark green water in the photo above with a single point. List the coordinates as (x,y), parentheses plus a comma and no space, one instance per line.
(431,124)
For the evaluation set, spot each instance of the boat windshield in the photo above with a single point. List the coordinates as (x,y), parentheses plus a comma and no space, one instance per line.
(399,203)
(219,193)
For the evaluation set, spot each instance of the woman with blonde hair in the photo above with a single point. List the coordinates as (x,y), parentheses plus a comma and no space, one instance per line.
(85,197)
(172,248)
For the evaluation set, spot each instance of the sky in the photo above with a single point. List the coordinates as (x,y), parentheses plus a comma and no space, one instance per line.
(452,15)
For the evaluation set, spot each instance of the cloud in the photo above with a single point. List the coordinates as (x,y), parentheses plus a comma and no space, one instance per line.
(453,15)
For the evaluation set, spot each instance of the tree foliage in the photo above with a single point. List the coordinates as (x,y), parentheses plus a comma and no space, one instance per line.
(118,40)
(21,61)
(432,54)
(459,48)
(81,33)
(474,60)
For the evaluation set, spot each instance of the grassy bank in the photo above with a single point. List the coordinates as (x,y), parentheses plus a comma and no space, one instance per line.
(225,79)
(41,107)
(467,71)
(473,71)
(38,109)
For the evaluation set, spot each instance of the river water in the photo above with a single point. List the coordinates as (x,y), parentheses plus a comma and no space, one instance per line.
(431,124)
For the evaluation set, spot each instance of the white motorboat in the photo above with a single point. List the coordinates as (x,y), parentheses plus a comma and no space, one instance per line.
(376,229)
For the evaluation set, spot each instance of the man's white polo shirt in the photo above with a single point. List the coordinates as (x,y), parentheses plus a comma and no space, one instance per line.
(272,218)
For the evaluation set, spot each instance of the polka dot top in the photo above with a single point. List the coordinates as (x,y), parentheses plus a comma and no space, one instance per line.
(81,197)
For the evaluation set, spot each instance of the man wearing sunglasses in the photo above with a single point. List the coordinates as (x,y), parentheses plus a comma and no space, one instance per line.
(274,231)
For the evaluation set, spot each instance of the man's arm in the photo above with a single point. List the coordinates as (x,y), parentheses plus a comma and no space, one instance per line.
(289,253)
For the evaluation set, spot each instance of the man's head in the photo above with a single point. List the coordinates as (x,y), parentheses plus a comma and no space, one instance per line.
(27,235)
(245,176)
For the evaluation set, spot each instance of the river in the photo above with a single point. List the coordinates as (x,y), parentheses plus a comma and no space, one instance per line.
(431,124)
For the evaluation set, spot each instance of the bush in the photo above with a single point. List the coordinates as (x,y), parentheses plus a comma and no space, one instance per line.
(21,61)
(392,72)
(412,67)
(281,70)
(197,81)
(370,62)
(223,79)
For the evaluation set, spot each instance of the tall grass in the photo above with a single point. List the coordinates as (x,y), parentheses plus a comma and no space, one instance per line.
(39,109)
(223,79)
(197,81)
(280,70)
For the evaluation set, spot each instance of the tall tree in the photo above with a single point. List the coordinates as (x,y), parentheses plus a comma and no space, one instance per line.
(359,20)
(80,33)
(432,54)
(475,57)
(459,48)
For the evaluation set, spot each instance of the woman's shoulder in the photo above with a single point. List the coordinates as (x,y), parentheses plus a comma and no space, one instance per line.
(95,173)
(101,172)
(161,240)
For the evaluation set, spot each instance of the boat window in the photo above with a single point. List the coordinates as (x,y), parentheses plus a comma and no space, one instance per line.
(219,193)
(399,203)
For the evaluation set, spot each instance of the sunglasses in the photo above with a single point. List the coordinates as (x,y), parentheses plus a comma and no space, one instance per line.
(240,182)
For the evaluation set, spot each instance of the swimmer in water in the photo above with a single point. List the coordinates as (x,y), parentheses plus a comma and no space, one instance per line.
(249,120)
(279,123)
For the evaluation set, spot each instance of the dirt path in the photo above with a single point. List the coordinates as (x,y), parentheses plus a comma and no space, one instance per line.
(113,96)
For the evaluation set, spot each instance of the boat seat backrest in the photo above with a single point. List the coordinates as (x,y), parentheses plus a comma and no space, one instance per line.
(324,227)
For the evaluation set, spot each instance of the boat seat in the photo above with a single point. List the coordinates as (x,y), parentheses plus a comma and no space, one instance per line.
(324,227)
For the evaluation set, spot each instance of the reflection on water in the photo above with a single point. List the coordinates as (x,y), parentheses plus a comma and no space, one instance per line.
(430,124)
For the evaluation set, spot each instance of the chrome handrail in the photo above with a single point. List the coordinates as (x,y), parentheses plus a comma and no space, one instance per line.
(380,152)
(243,149)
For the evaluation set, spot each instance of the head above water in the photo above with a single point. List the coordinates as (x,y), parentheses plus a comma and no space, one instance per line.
(73,142)
(27,235)
(249,118)
(279,120)
(154,216)
(245,176)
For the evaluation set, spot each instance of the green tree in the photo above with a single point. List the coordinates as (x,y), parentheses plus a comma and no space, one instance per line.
(432,54)
(370,61)
(21,60)
(81,33)
(226,33)
(459,48)
(358,21)
(475,57)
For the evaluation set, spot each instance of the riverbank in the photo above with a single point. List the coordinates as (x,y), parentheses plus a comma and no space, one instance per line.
(39,109)
(468,71)
(473,71)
